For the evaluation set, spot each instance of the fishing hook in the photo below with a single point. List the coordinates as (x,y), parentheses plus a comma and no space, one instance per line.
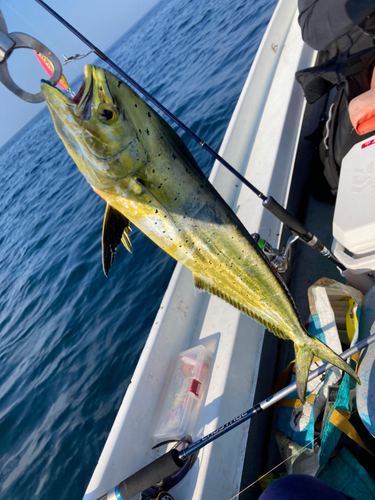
(75,57)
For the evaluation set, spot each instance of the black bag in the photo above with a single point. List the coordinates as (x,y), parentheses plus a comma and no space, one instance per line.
(348,78)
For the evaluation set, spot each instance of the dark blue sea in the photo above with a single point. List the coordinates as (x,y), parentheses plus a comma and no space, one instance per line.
(69,337)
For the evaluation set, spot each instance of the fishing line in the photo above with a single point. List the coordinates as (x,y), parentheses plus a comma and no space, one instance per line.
(43,36)
(268,202)
(297,452)
(172,461)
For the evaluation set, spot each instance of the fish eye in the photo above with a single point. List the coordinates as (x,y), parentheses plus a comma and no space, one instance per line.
(106,114)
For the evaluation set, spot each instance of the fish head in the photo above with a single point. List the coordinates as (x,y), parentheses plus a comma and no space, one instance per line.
(97,128)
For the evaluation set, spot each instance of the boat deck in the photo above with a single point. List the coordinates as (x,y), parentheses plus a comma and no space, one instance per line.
(262,455)
(307,267)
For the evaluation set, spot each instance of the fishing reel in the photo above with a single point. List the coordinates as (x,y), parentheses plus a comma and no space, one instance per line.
(163,495)
(279,259)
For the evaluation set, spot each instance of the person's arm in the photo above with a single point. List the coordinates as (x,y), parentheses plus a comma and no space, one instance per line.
(322,21)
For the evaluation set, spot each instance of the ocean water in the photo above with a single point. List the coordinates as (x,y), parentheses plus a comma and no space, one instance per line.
(69,337)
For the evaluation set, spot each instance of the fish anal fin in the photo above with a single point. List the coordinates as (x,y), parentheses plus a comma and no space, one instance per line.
(116,229)
(203,283)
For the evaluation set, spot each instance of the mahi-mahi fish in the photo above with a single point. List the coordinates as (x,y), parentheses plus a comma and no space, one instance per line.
(135,161)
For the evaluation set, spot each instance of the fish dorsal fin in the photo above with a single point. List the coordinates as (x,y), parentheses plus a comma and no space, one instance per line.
(116,229)
(206,284)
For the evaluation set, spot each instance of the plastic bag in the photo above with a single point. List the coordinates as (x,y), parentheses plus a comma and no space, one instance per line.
(334,318)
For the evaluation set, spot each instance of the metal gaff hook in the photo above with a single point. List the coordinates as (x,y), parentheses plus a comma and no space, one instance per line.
(11,41)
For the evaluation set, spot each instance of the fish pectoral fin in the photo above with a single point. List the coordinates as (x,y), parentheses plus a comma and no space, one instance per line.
(116,229)
(304,357)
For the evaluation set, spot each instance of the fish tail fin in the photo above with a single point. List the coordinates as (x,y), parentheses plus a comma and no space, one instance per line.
(304,357)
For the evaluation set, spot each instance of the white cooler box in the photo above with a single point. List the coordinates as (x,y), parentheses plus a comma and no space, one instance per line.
(354,217)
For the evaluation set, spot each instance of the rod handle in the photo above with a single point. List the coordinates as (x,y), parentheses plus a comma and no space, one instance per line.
(288,219)
(293,224)
(153,473)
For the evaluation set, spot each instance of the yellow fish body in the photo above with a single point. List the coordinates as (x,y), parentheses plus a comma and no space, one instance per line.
(135,161)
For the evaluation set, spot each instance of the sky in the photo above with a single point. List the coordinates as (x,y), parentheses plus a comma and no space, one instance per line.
(102,22)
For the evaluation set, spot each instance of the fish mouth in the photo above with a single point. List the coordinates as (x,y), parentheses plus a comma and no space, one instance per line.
(84,97)
(81,103)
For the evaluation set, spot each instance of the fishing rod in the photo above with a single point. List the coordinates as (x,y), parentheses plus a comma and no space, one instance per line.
(172,461)
(268,201)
